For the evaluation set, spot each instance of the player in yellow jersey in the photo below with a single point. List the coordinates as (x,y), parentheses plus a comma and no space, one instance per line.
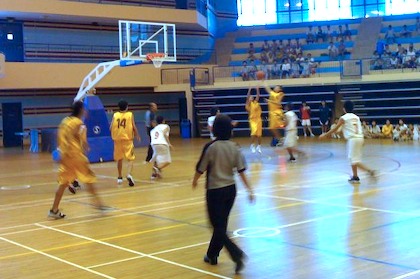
(123,130)
(253,108)
(72,144)
(275,111)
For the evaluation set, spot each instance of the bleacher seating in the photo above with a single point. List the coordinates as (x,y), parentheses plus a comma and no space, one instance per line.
(385,101)
(232,102)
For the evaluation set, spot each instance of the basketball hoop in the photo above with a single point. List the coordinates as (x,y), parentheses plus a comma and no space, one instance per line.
(156,58)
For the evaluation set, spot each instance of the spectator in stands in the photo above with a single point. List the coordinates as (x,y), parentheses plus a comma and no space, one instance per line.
(411,51)
(285,68)
(396,133)
(271,57)
(252,69)
(276,70)
(305,68)
(329,34)
(320,35)
(390,35)
(342,51)
(340,33)
(403,130)
(410,131)
(387,50)
(298,47)
(251,52)
(273,47)
(332,51)
(265,68)
(265,46)
(305,115)
(245,71)
(405,33)
(375,130)
(264,56)
(387,129)
(295,68)
(310,35)
(407,61)
(399,50)
(312,64)
(377,63)
(347,32)
(367,130)
(395,62)
(324,116)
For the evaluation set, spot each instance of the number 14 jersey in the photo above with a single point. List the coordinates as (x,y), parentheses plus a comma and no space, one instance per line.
(122,126)
(352,127)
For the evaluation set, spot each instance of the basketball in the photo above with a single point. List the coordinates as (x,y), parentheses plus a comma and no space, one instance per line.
(260,75)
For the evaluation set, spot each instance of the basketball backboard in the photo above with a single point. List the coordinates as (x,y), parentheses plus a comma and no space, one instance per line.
(138,39)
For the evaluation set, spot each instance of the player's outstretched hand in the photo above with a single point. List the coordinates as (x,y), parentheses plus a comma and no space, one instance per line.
(138,138)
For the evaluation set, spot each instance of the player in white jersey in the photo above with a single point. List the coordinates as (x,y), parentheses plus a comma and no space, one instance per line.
(161,147)
(353,133)
(290,141)
(210,121)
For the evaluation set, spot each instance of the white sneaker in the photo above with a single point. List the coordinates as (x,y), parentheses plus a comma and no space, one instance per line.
(119,180)
(253,148)
(56,215)
(157,172)
(259,149)
(130,180)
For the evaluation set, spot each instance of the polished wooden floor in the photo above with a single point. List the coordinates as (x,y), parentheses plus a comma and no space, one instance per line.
(307,222)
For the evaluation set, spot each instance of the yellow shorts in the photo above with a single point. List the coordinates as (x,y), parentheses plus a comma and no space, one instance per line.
(256,127)
(275,119)
(75,166)
(124,149)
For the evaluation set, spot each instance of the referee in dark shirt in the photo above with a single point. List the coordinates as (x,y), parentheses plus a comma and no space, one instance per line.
(220,158)
(149,118)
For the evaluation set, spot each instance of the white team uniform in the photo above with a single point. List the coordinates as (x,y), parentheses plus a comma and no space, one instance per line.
(161,152)
(353,133)
(291,129)
(210,122)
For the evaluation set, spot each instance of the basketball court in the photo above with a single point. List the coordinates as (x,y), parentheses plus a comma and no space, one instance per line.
(307,222)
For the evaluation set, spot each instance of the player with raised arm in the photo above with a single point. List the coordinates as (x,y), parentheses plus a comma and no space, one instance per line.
(253,108)
(275,111)
(123,130)
(353,133)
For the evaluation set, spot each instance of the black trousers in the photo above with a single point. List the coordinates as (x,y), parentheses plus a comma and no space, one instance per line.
(150,149)
(219,204)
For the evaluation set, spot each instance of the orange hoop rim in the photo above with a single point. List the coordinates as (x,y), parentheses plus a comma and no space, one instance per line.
(153,56)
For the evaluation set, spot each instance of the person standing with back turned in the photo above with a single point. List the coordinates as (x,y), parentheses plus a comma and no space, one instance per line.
(123,130)
(149,118)
(220,158)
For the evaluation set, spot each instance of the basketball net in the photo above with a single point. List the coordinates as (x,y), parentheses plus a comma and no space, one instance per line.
(156,58)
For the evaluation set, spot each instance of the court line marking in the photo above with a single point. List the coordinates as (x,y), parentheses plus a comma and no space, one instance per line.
(56,258)
(134,252)
(115,262)
(279,227)
(407,274)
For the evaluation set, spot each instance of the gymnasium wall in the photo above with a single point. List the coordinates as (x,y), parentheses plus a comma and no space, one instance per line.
(56,9)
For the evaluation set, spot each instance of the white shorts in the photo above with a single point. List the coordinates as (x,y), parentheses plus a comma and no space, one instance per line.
(161,154)
(306,122)
(355,150)
(290,139)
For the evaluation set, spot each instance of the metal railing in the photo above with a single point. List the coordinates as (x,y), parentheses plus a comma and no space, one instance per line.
(198,76)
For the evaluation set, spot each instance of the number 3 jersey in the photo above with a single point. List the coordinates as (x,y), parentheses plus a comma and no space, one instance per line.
(158,134)
(352,127)
(122,126)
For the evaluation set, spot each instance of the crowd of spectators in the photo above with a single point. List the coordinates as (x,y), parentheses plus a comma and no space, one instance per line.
(398,132)
(328,35)
(398,57)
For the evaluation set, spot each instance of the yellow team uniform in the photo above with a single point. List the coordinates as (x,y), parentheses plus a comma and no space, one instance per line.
(73,164)
(275,111)
(122,132)
(255,121)
(387,131)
